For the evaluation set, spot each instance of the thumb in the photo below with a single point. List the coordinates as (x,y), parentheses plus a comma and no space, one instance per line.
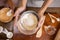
(41,21)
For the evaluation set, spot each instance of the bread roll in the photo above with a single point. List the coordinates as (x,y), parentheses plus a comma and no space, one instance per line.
(6,15)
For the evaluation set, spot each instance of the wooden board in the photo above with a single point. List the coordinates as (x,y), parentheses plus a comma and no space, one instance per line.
(45,36)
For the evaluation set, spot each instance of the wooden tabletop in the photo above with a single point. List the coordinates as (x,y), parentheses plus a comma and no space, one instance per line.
(45,36)
(19,36)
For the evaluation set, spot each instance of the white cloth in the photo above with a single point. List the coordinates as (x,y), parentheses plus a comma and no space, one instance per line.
(30,3)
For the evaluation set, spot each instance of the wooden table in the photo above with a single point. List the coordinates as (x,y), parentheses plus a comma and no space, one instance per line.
(9,27)
(19,36)
(45,36)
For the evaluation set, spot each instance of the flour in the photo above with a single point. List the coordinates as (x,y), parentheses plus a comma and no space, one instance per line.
(27,19)
(9,13)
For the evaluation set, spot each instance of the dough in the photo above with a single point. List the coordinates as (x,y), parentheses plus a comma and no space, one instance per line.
(58,35)
(29,21)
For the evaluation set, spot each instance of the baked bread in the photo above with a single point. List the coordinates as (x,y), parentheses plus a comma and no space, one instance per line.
(6,15)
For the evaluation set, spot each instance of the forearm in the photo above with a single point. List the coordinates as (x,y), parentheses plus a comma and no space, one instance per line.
(19,10)
(44,7)
(22,7)
(23,3)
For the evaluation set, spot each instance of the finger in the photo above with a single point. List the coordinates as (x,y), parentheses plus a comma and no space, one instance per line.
(14,15)
(41,21)
(14,24)
(15,21)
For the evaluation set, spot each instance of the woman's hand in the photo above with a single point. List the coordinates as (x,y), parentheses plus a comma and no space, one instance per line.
(41,21)
(18,11)
(40,25)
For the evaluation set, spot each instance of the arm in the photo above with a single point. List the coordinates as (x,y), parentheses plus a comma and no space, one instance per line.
(19,10)
(41,13)
(24,2)
(44,7)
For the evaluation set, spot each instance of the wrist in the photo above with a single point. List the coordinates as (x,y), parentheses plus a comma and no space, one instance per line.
(40,14)
(23,7)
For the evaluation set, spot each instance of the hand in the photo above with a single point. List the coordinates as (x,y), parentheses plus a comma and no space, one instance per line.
(19,10)
(40,24)
(41,21)
(40,13)
(15,21)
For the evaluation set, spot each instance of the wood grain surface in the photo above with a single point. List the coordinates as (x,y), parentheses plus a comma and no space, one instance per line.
(45,36)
